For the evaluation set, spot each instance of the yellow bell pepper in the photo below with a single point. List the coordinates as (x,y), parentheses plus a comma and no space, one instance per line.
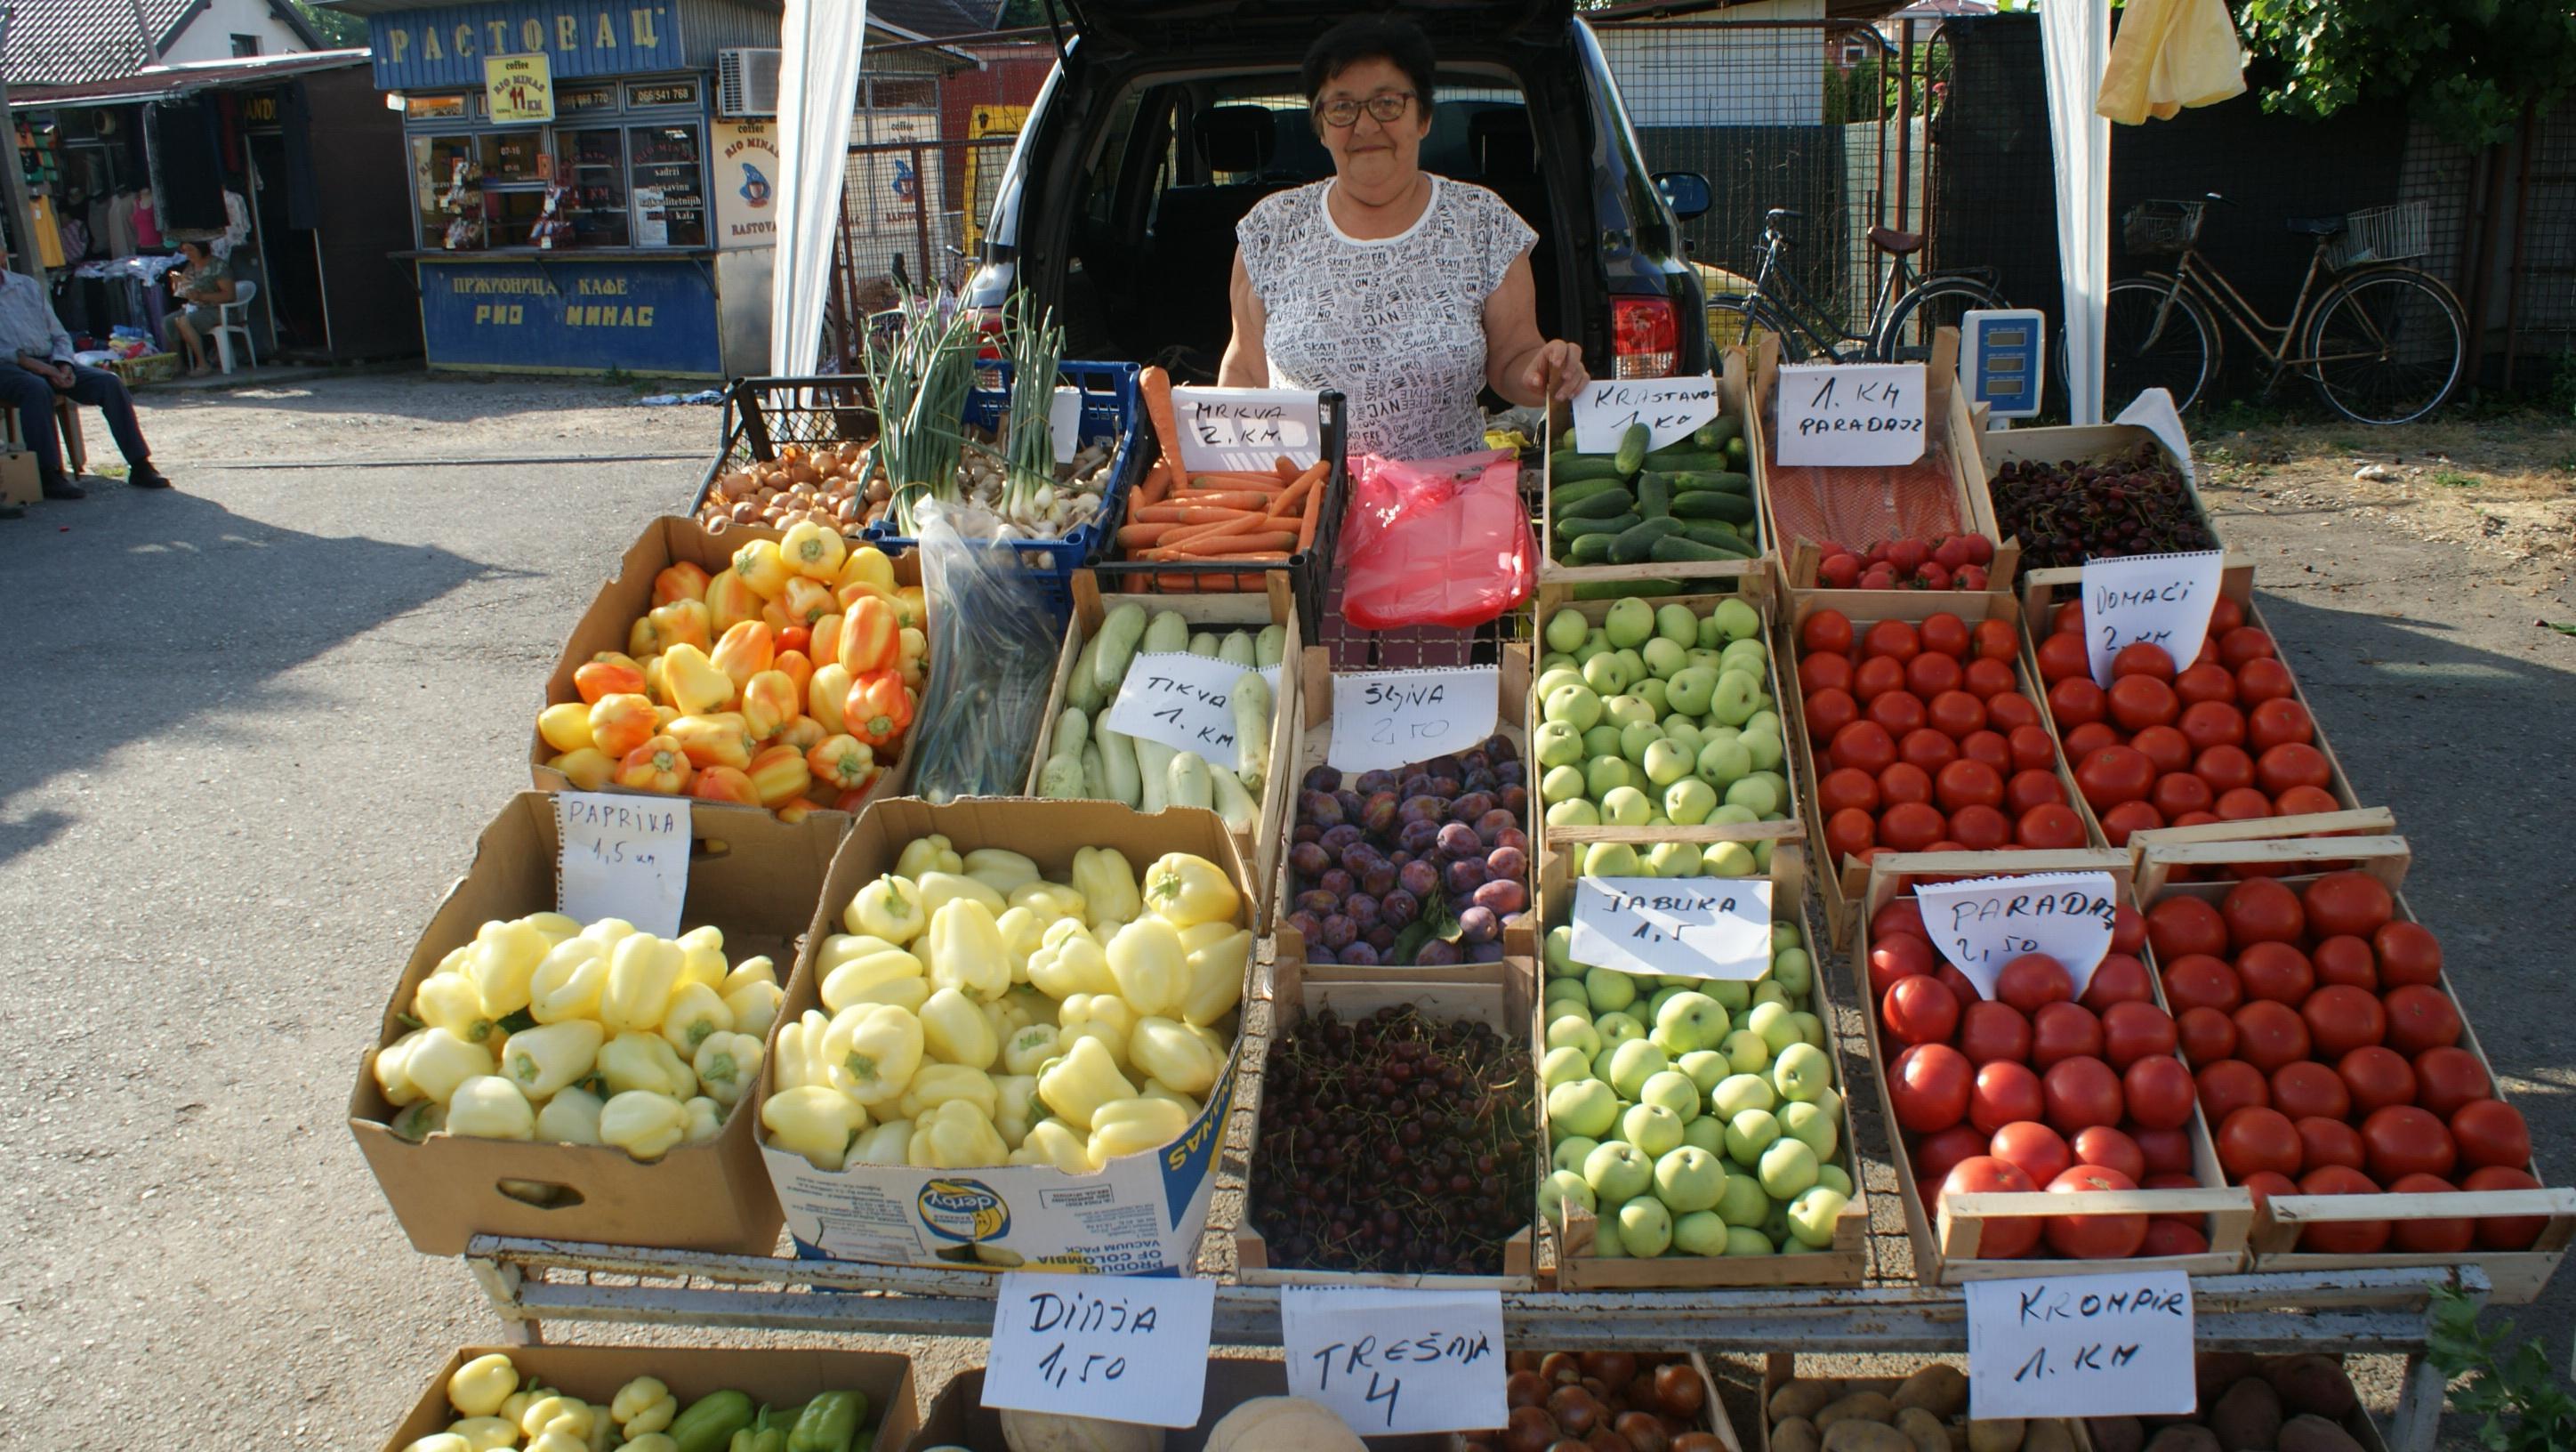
(1107,884)
(491,1107)
(643,972)
(1157,1089)
(702,957)
(852,980)
(797,1059)
(956,1136)
(755,969)
(886,1144)
(867,565)
(588,769)
(643,1405)
(1019,1008)
(956,1031)
(770,702)
(842,762)
(680,581)
(391,1080)
(696,686)
(1016,1106)
(806,602)
(813,552)
(1070,961)
(723,739)
(571,1117)
(871,1052)
(728,1065)
(682,622)
(868,639)
(608,932)
(440,1442)
(451,1002)
(521,1400)
(1164,1049)
(568,983)
(1152,970)
(479,1387)
(755,1008)
(814,1121)
(730,600)
(799,670)
(763,566)
(1217,954)
(779,774)
(659,765)
(553,1441)
(745,651)
(804,733)
(1055,1144)
(1049,900)
(888,908)
(1101,1016)
(913,651)
(620,723)
(418,1121)
(695,1013)
(644,1124)
(565,725)
(505,958)
(485,1434)
(723,784)
(936,1084)
(545,1059)
(939,888)
(823,641)
(438,1063)
(705,1120)
(644,1061)
(934,853)
(1028,1048)
(1187,890)
(559,1414)
(825,690)
(1084,1079)
(554,927)
(965,950)
(1131,1127)
(1001,869)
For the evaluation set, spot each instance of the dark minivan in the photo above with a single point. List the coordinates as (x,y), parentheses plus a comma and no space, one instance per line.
(1165,122)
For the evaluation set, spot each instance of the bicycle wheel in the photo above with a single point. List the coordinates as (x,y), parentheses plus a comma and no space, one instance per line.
(1736,320)
(2156,337)
(2387,346)
(1934,303)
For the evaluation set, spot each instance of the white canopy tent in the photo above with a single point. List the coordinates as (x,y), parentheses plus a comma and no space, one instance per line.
(818,75)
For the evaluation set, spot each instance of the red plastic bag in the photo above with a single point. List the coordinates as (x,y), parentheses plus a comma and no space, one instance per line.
(1435,541)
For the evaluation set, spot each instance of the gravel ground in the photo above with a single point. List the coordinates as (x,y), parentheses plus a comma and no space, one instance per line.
(267,762)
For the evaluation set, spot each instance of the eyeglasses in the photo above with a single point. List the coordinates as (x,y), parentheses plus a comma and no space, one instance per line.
(1388,108)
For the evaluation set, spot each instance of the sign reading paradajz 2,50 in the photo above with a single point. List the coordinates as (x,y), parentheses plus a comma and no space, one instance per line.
(569,316)
(447,46)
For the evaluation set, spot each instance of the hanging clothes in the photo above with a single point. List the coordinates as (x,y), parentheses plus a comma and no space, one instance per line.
(191,173)
(2169,54)
(236,225)
(303,196)
(147,221)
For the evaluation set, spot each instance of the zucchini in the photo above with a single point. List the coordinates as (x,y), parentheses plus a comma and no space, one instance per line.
(1581,489)
(1072,733)
(1095,781)
(1236,648)
(1233,803)
(1654,496)
(1590,549)
(1572,467)
(1714,504)
(1270,647)
(1610,501)
(1567,529)
(1203,645)
(1061,777)
(1633,544)
(1153,773)
(1165,632)
(1120,632)
(1121,779)
(1082,687)
(1248,702)
(1678,549)
(1632,448)
(1187,783)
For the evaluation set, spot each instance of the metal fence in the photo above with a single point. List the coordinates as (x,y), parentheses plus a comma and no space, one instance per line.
(910,216)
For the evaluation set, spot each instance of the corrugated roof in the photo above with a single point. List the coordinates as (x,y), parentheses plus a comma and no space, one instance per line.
(63,42)
(937,19)
(153,82)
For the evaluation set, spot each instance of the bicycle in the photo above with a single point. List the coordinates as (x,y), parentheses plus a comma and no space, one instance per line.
(1908,309)
(2382,343)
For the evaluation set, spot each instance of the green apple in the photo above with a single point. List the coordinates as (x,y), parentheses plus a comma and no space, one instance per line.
(1732,703)
(1673,1090)
(1605,676)
(1628,622)
(1569,992)
(1554,660)
(1651,1127)
(1812,1215)
(1586,1107)
(1606,774)
(1662,657)
(1626,806)
(1617,1026)
(1764,749)
(1700,1232)
(1618,1171)
(1666,762)
(1747,656)
(1558,950)
(1600,739)
(1736,620)
(1746,1050)
(1771,1020)
(1576,706)
(1609,989)
(1729,859)
(1557,743)
(1688,801)
(1633,1063)
(1707,1068)
(1707,1132)
(1574,1030)
(1564,1066)
(1785,935)
(1664,993)
(1737,1093)
(1634,738)
(1564,781)
(1723,760)
(1811,1127)
(1831,1102)
(1651,691)
(1571,1150)
(1601,1063)
(1609,859)
(1631,663)
(1811,1029)
(1677,624)
(1835,1178)
(1572,812)
(1595,641)
(1683,732)
(1605,1239)
(1626,711)
(1551,680)
(1755,793)
(1566,629)
(1688,1179)
(1742,1201)
(1727,814)
(1673,859)
(1689,690)
(1745,1240)
(1769,991)
(1793,970)
(1749,1133)
(1788,1168)
(1803,1072)
(1694,1019)
(1733,996)
(1561,1190)
(1765,720)
(1645,1227)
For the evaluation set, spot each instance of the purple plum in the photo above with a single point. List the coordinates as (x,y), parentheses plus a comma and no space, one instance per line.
(1418,878)
(1471,806)
(1398,909)
(1321,808)
(1338,882)
(1322,779)
(1377,812)
(1341,839)
(1381,938)
(1436,953)
(1512,773)
(1491,826)
(1512,837)
(1475,925)
(1318,902)
(1360,955)
(1309,859)
(1489,951)
(1379,880)
(1350,801)
(1318,953)
(1306,832)
(1466,874)
(1501,897)
(1507,864)
(1514,799)
(1309,926)
(1339,932)
(1362,910)
(1418,836)
(1460,840)
(1373,782)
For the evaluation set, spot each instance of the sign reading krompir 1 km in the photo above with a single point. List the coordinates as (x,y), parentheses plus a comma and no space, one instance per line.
(518,89)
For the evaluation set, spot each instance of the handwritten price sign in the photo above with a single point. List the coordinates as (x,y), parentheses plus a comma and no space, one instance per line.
(622,857)
(1672,409)
(2085,1346)
(1688,927)
(1127,1349)
(1386,719)
(1843,414)
(2161,599)
(1185,702)
(1982,924)
(1390,1362)
(1248,428)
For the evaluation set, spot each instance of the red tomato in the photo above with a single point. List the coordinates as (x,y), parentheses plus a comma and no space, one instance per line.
(2300,801)
(2277,722)
(1878,676)
(2377,1077)
(2031,748)
(2160,1092)
(2060,1031)
(2505,1232)
(2109,1148)
(2076,700)
(2033,980)
(2040,1151)
(2408,953)
(1918,1010)
(1849,833)
(2034,786)
(1959,986)
(2344,1019)
(1929,1084)
(1896,955)
(2262,680)
(2180,925)
(2225,768)
(2211,723)
(2118,978)
(2081,1093)
(2419,1018)
(1996,640)
(1826,630)
(2262,911)
(2208,1034)
(1981,828)
(2134,1029)
(2308,1088)
(1989,747)
(2229,1085)
(1828,712)
(1999,1237)
(2048,827)
(2255,1138)
(1928,675)
(2142,658)
(2011,709)
(1899,915)
(2004,1092)
(2128,817)
(2168,748)
(1955,714)
(1945,634)
(2224,615)
(1825,672)
(2137,702)
(2169,1235)
(1910,826)
(2204,683)
(2243,804)
(2069,619)
(1926,747)
(2197,980)
(2428,1237)
(2270,1034)
(1903,781)
(1985,677)
(2168,1151)
(2062,657)
(1847,787)
(2490,1132)
(1965,783)
(2113,775)
(2092,736)
(2324,1142)
(2267,1183)
(2447,1078)
(2275,971)
(1895,639)
(1937,1153)
(2348,1237)
(1898,711)
(1864,744)
(2292,763)
(2405,1140)
(2236,647)
(1992,1031)
(2094,1237)
(2343,958)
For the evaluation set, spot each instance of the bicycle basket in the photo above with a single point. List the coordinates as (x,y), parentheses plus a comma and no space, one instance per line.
(2383,234)
(2161,229)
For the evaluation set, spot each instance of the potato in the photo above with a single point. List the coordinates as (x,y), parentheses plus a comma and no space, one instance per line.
(2247,1418)
(2216,1371)
(1803,1397)
(1923,1429)
(2117,1434)
(1854,1434)
(1796,1434)
(2184,1437)
(1941,1389)
(1868,1406)
(2313,1385)
(1958,1436)
(1883,1385)
(2316,1434)
(1995,1434)
(2050,1436)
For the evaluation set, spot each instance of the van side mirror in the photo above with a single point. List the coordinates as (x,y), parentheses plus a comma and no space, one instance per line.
(1686,192)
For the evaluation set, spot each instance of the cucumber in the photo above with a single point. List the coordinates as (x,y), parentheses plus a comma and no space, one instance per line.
(1654,496)
(1714,504)
(1632,448)
(1153,773)
(1622,589)
(1567,529)
(1716,433)
(1677,549)
(1711,479)
(1633,544)
(1095,777)
(1590,549)
(1710,532)
(1233,803)
(1695,461)
(1570,467)
(1735,452)
(1581,489)
(1061,777)
(1072,733)
(1250,703)
(1611,501)
(1082,688)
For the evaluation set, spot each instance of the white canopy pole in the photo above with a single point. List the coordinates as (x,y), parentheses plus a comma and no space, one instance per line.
(818,89)
(2075,38)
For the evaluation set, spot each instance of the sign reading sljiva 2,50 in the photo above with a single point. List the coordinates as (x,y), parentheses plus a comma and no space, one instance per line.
(447,46)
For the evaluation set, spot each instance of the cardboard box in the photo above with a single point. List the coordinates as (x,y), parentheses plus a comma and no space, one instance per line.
(959,1417)
(752,876)
(772,1375)
(1780,1367)
(1143,1213)
(1247,612)
(20,482)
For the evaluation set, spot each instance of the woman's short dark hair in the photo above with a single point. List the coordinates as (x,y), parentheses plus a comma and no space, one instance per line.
(201,247)
(1400,43)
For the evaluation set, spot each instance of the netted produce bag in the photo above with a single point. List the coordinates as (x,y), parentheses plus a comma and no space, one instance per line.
(1435,541)
(1862,505)
(994,637)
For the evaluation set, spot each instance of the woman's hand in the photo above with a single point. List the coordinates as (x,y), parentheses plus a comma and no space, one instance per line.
(1554,371)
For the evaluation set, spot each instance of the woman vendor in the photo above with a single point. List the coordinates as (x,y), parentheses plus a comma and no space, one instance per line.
(1406,291)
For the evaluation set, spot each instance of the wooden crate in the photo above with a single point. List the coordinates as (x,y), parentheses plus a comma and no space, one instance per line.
(958,1419)
(1260,846)
(777,1375)
(1841,886)
(2081,443)
(1799,557)
(1844,1263)
(1780,1366)
(1732,403)
(1311,741)
(1945,1242)
(1712,1418)
(2357,1423)
(2040,598)
(2518,1276)
(1508,1006)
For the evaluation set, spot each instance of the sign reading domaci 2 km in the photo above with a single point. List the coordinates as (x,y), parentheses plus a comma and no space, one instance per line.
(448,45)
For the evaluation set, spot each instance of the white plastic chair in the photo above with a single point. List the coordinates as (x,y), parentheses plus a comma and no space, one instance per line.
(234,317)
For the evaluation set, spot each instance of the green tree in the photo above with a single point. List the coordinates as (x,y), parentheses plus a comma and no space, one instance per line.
(2468,68)
(335,28)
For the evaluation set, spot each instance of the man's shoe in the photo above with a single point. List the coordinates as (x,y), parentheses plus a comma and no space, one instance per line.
(144,476)
(57,486)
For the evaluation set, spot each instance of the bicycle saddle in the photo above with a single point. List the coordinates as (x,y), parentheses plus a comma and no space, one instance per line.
(1779,213)
(2317,226)
(1895,243)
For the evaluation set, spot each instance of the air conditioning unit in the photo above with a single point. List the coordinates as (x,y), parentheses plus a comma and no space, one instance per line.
(747,82)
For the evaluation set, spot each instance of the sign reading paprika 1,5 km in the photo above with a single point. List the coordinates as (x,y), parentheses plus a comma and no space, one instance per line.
(1845,414)
(1672,409)
(1185,702)
(622,857)
(1386,719)
(1685,927)
(1122,1348)
(2160,599)
(1244,429)
(1986,922)
(1392,1362)
(2117,1345)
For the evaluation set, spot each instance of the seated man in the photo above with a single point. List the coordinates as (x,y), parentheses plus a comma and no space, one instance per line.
(35,365)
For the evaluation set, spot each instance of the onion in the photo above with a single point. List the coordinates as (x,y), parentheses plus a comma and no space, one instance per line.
(718,525)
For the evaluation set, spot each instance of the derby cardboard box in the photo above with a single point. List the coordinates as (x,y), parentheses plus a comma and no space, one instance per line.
(778,1376)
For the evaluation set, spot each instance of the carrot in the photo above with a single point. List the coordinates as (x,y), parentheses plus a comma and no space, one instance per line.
(1299,495)
(1284,467)
(1251,499)
(1203,484)
(1191,533)
(1306,523)
(1156,387)
(1155,485)
(1268,542)
(1232,479)
(1135,536)
(1185,514)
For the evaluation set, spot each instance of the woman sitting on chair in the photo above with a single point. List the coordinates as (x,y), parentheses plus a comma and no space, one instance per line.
(205,285)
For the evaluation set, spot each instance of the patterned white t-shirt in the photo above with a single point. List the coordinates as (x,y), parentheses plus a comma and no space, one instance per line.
(1396,324)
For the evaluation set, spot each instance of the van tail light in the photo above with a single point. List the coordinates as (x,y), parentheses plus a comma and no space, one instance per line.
(988,331)
(1645,336)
